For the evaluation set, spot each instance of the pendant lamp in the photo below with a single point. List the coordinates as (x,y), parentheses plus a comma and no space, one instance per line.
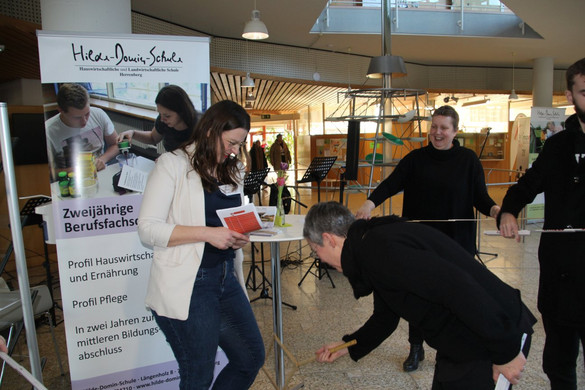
(255,28)
(513,95)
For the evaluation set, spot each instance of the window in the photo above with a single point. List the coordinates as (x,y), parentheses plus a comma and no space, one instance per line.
(144,94)
(137,93)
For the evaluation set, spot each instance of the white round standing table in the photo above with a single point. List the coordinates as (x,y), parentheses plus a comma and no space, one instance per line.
(290,233)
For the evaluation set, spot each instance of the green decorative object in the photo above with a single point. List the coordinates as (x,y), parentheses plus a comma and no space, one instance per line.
(280,217)
(392,138)
(378,159)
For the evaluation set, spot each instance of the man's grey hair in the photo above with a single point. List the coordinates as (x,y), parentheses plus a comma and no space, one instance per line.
(327,217)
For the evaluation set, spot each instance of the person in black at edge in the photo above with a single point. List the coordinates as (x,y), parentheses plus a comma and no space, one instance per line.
(559,172)
(475,321)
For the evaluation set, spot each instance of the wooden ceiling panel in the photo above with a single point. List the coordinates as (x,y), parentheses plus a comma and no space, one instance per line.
(20,60)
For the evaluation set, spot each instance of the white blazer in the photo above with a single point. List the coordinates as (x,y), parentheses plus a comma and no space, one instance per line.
(174,196)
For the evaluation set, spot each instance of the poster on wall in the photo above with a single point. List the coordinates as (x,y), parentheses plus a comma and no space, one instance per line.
(113,340)
(545,122)
(328,147)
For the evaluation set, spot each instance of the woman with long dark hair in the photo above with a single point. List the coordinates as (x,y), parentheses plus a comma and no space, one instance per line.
(196,289)
(175,123)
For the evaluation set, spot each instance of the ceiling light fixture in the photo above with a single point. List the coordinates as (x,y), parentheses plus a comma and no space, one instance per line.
(248,81)
(513,95)
(386,65)
(316,74)
(250,96)
(248,105)
(255,28)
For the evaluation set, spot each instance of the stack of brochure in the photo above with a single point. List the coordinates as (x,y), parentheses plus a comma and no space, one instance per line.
(249,219)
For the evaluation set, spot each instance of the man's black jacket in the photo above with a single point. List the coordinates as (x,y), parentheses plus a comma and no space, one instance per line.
(418,273)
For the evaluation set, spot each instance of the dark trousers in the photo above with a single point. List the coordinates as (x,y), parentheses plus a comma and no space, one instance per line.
(476,375)
(561,349)
(415,335)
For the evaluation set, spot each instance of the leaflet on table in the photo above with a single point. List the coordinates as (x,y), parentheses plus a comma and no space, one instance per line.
(249,219)
(134,178)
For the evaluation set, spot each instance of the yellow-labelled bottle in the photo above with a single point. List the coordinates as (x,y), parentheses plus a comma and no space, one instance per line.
(72,185)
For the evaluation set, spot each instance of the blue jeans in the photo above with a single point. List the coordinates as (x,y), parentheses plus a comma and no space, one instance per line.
(219,314)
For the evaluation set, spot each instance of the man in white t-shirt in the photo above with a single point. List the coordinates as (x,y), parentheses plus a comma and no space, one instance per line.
(79,127)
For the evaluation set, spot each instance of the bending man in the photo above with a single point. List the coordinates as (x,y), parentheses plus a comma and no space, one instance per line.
(475,321)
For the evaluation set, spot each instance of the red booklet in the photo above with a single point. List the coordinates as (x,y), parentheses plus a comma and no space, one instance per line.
(246,219)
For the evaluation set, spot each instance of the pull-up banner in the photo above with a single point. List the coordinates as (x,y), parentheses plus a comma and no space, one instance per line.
(113,341)
(545,122)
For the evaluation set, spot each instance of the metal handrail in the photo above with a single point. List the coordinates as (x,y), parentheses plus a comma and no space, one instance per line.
(421,5)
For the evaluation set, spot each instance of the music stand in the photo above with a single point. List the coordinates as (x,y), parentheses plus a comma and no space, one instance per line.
(252,272)
(253,181)
(487,135)
(29,217)
(264,291)
(321,271)
(317,171)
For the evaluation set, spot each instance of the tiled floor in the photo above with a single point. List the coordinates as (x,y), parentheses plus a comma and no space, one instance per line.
(325,313)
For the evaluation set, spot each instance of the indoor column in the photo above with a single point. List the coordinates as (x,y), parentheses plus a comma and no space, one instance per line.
(542,82)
